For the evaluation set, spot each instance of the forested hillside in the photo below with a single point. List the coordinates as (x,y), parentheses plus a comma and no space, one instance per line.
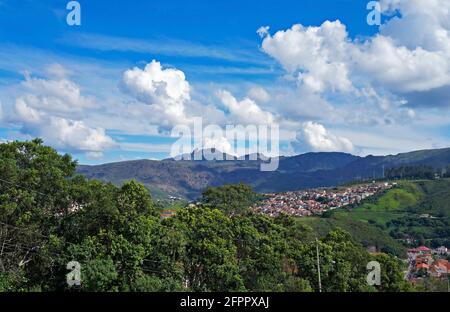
(49,216)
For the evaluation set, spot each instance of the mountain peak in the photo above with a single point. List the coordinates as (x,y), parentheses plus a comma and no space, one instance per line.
(206,154)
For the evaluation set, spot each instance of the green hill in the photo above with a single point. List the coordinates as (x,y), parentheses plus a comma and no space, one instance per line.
(415,212)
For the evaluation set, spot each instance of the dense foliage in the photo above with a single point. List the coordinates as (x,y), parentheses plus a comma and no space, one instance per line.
(411,172)
(50,216)
(231,199)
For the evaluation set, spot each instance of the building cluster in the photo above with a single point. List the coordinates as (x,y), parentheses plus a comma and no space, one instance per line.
(424,262)
(317,201)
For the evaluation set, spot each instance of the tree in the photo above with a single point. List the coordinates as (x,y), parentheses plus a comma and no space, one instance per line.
(210,260)
(34,197)
(34,184)
(133,198)
(392,276)
(231,199)
(266,251)
(342,263)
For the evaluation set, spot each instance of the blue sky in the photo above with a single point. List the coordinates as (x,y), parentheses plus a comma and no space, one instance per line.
(334,83)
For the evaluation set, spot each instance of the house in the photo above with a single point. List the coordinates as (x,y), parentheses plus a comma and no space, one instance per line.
(422,266)
(440,268)
(167,214)
(413,252)
(441,250)
(420,250)
(372,249)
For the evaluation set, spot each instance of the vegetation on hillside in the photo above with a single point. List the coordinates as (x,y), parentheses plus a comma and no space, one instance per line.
(416,212)
(49,217)
(188,179)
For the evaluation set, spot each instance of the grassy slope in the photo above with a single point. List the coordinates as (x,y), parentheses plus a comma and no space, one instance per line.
(391,205)
(437,195)
(393,214)
(399,210)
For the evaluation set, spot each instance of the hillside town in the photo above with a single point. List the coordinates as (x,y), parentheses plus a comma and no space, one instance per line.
(317,201)
(424,262)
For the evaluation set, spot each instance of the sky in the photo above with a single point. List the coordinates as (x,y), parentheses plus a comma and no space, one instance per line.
(114,87)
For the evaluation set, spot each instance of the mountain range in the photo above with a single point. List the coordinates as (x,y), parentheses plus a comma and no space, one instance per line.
(188,178)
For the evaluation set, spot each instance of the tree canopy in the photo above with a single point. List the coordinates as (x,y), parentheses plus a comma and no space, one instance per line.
(232,199)
(49,216)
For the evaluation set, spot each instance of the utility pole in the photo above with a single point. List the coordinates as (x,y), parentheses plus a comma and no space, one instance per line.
(318,265)
(448,282)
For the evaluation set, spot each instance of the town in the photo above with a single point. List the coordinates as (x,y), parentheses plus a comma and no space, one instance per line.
(317,201)
(424,262)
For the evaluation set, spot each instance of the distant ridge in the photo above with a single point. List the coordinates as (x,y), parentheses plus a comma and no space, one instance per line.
(188,178)
(214,154)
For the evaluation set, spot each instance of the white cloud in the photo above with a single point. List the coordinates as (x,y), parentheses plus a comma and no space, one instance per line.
(390,140)
(315,54)
(263,31)
(399,59)
(400,69)
(259,94)
(366,84)
(55,95)
(53,109)
(423,23)
(26,113)
(56,70)
(246,111)
(166,90)
(314,136)
(219,143)
(154,84)
(76,135)
(72,135)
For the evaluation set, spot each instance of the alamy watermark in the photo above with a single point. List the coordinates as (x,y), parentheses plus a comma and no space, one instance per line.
(374,16)
(374,276)
(74,16)
(73,278)
(213,142)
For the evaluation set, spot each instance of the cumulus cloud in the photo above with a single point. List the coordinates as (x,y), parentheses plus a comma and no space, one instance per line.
(400,69)
(422,23)
(408,55)
(49,108)
(72,135)
(259,94)
(155,84)
(166,90)
(314,136)
(76,135)
(55,95)
(315,54)
(388,80)
(245,111)
(57,71)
